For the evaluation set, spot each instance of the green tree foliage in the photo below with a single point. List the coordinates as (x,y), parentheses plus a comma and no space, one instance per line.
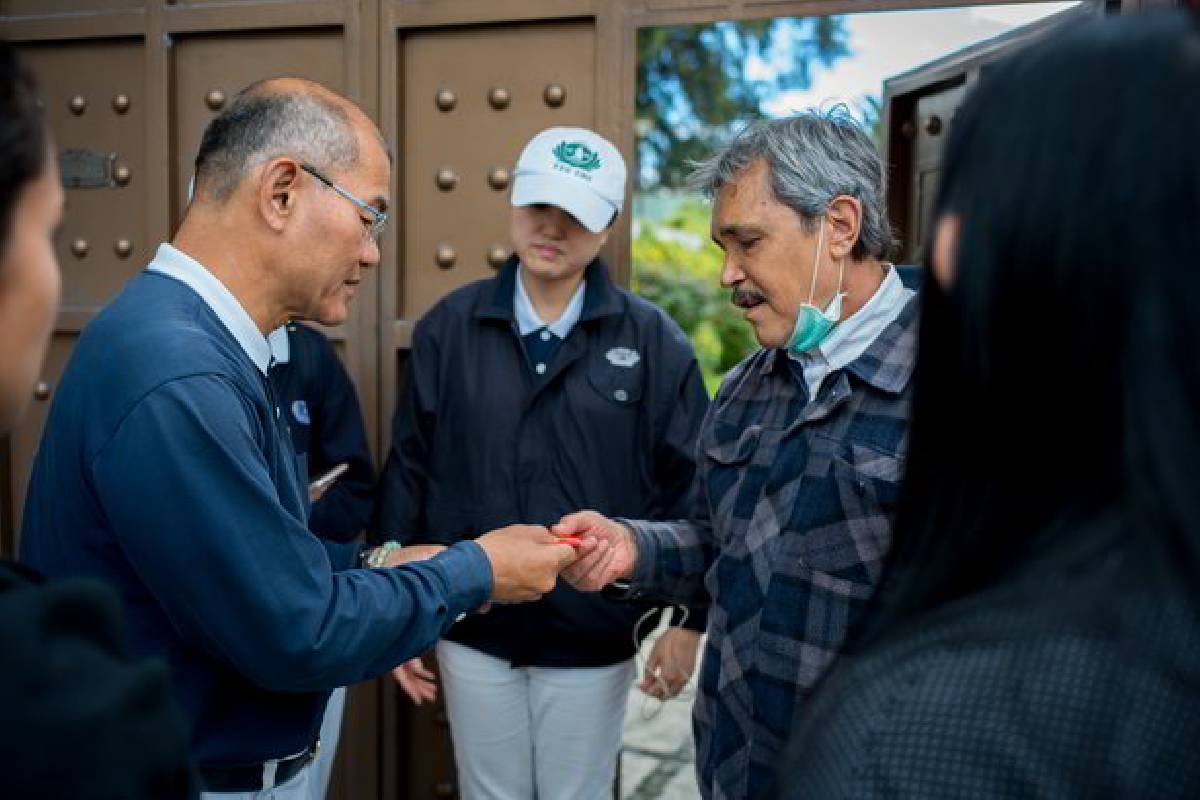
(693,82)
(676,267)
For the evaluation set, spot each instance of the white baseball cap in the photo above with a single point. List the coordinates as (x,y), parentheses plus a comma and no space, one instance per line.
(575,170)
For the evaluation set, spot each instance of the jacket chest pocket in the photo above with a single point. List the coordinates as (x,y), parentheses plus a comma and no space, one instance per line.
(619,384)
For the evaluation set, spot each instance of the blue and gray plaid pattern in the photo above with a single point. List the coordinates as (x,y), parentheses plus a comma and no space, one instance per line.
(795,505)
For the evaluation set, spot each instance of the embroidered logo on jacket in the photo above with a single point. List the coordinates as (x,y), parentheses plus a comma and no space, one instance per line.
(622,357)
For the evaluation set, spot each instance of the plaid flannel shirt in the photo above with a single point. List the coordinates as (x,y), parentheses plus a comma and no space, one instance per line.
(795,505)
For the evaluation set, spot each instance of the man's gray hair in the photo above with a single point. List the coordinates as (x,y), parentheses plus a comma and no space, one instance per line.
(263,124)
(811,158)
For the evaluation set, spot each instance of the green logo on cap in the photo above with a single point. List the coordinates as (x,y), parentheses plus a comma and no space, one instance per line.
(578,155)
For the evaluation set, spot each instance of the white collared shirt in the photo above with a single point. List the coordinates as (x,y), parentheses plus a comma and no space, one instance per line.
(176,264)
(528,320)
(281,348)
(851,338)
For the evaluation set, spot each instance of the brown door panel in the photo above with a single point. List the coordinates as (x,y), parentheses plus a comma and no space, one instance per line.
(470,99)
(24,439)
(97,110)
(210,70)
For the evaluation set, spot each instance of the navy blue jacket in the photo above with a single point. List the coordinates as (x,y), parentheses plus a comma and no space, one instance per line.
(480,441)
(327,429)
(166,471)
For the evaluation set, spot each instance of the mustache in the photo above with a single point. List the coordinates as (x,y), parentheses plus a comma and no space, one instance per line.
(744,298)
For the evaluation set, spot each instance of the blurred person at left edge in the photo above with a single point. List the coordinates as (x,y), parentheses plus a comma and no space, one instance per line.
(82,720)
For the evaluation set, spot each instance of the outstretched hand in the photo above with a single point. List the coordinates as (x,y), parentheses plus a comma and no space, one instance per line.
(526,560)
(607,551)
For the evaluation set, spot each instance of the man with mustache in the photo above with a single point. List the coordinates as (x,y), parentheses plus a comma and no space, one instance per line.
(167,469)
(800,457)
(531,394)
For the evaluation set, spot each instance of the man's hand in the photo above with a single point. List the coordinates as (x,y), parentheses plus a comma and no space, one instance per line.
(671,663)
(413,552)
(526,560)
(607,554)
(417,681)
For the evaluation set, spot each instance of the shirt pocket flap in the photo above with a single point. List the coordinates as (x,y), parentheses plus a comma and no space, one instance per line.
(735,447)
(876,464)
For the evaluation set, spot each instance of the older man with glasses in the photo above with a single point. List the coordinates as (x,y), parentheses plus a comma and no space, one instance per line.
(167,468)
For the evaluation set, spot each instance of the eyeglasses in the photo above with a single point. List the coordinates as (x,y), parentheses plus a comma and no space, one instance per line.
(379,219)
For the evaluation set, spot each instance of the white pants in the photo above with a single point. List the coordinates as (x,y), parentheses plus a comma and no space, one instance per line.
(527,732)
(331,730)
(298,788)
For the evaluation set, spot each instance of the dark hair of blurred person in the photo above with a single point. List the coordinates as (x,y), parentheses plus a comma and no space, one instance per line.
(80,719)
(1038,631)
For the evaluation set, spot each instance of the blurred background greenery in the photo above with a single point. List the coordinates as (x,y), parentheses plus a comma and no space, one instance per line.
(678,268)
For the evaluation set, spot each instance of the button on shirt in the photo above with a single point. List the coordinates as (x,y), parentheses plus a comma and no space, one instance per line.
(542,339)
(794,507)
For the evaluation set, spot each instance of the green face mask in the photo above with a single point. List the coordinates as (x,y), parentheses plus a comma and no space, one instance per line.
(813,325)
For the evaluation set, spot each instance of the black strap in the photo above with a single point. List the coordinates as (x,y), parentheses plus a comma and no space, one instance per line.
(250,778)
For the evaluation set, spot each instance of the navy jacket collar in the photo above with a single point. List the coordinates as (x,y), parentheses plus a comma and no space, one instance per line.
(600,299)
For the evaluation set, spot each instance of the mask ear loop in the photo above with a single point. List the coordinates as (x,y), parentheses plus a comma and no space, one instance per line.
(812,289)
(647,710)
(841,282)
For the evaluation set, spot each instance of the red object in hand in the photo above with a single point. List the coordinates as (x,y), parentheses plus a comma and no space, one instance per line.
(574,541)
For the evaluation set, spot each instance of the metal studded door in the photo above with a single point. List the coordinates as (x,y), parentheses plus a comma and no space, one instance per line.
(210,69)
(471,99)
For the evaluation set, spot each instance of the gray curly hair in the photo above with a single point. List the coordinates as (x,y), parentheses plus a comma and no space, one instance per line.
(812,158)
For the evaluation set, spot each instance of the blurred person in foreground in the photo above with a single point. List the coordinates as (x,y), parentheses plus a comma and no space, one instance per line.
(82,720)
(1038,630)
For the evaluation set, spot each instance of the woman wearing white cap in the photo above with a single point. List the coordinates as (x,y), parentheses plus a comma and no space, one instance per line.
(529,395)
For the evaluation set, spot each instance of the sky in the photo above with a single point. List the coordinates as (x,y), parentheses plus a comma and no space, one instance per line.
(888,43)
